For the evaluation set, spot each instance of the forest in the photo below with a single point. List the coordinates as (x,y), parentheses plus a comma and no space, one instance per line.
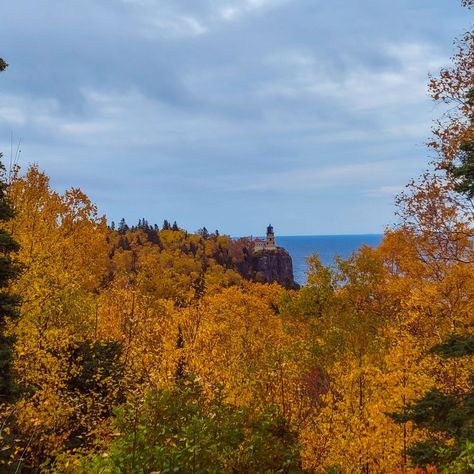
(143,349)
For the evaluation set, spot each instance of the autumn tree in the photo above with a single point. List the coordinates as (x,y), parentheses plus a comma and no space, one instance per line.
(63,251)
(438,208)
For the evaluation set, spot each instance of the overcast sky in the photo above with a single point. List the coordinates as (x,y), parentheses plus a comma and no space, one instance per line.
(228,114)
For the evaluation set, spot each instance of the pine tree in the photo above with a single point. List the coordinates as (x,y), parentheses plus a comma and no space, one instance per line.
(8,271)
(204,233)
(122,227)
(180,373)
(449,418)
(8,302)
(175,226)
(123,243)
(463,170)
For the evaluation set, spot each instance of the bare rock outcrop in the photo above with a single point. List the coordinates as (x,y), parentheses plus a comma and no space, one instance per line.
(268,266)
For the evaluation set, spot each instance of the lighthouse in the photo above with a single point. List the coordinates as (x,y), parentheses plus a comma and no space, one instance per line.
(268,243)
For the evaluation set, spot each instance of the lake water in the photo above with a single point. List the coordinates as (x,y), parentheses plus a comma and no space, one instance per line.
(326,246)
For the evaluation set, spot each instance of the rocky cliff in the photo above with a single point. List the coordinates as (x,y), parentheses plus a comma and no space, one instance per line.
(268,266)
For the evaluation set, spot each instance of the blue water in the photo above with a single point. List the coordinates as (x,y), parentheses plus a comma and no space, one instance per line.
(326,246)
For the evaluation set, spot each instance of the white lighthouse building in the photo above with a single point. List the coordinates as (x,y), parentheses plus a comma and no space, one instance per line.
(268,243)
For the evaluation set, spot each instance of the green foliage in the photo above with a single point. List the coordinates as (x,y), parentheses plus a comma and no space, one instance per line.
(463,172)
(334,470)
(180,430)
(99,362)
(8,302)
(314,299)
(448,418)
(455,346)
(463,169)
(464,463)
(122,227)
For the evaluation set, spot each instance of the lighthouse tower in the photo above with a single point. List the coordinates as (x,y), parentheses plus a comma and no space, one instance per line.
(270,243)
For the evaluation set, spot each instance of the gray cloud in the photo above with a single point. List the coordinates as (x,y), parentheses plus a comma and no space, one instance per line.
(235,112)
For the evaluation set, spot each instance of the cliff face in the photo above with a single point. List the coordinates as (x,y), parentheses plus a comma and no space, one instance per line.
(268,266)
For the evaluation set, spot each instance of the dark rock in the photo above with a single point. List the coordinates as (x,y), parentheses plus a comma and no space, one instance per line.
(269,266)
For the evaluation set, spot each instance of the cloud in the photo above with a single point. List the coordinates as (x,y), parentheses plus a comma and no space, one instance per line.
(326,177)
(235,10)
(255,107)
(382,191)
(362,87)
(178,19)
(173,28)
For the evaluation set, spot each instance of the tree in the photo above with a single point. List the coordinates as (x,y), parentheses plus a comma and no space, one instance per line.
(204,233)
(462,169)
(454,131)
(63,249)
(438,209)
(175,226)
(122,227)
(8,302)
(180,430)
(8,270)
(448,418)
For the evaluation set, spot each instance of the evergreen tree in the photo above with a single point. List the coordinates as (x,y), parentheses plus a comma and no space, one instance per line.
(463,170)
(122,227)
(123,243)
(204,233)
(449,418)
(180,373)
(175,226)
(166,225)
(8,271)
(153,235)
(8,302)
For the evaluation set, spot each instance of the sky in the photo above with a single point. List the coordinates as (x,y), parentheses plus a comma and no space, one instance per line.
(229,114)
